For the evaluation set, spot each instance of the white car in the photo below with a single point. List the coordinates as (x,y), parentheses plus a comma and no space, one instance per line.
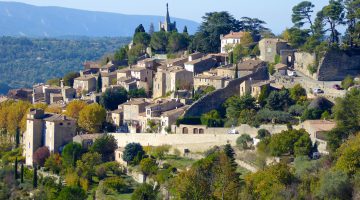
(292,73)
(318,91)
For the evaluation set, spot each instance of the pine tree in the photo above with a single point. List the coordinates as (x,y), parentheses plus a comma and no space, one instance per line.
(35,178)
(99,83)
(17,137)
(229,151)
(16,168)
(22,173)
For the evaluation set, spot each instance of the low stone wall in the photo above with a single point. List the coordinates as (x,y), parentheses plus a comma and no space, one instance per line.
(195,143)
(302,61)
(215,99)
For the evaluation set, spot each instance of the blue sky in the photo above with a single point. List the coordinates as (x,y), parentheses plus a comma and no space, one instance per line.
(277,13)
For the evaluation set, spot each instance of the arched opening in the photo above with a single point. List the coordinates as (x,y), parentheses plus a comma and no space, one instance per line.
(185,130)
(195,131)
(201,131)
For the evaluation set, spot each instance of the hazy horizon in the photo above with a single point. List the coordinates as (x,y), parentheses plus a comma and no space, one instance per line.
(277,15)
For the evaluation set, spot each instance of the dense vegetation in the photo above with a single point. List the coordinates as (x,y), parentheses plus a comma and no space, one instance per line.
(25,61)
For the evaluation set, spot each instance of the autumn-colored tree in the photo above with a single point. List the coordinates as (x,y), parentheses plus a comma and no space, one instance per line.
(40,155)
(349,156)
(247,39)
(53,163)
(91,117)
(74,107)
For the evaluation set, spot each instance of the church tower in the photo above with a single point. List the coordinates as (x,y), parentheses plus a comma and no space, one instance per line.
(167,25)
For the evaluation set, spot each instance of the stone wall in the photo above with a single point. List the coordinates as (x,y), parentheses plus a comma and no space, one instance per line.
(336,65)
(215,99)
(302,61)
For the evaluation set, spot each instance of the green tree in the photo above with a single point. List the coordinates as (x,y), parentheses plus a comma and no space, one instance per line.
(262,133)
(349,156)
(137,93)
(239,52)
(296,37)
(348,117)
(134,53)
(22,173)
(131,151)
(151,29)
(17,137)
(113,97)
(148,166)
(35,177)
(85,167)
(185,31)
(242,142)
(214,24)
(69,78)
(334,15)
(235,104)
(302,14)
(335,185)
(291,141)
(264,93)
(140,29)
(72,192)
(211,119)
(92,117)
(279,100)
(145,192)
(71,153)
(142,38)
(298,93)
(121,54)
(176,42)
(53,163)
(16,174)
(159,41)
(106,146)
(53,82)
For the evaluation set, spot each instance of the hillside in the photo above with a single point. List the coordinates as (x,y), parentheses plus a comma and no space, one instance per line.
(18,19)
(25,61)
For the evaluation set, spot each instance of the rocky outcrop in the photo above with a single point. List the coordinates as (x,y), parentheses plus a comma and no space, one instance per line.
(336,65)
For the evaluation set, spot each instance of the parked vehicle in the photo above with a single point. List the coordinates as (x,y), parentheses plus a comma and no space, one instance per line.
(292,73)
(318,91)
(337,87)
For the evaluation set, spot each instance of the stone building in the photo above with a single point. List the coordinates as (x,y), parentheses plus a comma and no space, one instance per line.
(85,83)
(200,65)
(86,140)
(108,79)
(44,129)
(230,40)
(217,82)
(171,79)
(271,47)
(20,94)
(167,26)
(52,94)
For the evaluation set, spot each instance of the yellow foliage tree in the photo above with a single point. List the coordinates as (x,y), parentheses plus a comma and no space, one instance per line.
(74,107)
(349,156)
(91,117)
(247,39)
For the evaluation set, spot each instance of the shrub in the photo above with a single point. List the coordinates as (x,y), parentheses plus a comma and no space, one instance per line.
(347,82)
(116,183)
(243,141)
(262,133)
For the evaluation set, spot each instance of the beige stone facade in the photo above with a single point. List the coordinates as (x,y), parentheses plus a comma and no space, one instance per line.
(85,83)
(50,130)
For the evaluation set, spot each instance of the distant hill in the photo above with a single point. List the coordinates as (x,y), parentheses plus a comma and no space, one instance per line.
(25,61)
(19,19)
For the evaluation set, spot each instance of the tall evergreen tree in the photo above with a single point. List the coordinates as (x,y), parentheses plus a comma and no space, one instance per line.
(16,168)
(17,137)
(236,71)
(22,173)
(35,177)
(185,30)
(302,14)
(99,83)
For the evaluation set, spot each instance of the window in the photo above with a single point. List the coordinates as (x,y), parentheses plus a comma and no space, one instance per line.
(61,124)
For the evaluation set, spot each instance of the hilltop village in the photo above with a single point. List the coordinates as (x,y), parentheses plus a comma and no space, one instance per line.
(162,112)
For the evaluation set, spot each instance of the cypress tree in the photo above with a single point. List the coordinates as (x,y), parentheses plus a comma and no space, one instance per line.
(17,137)
(99,83)
(35,178)
(16,168)
(236,71)
(22,173)
(185,30)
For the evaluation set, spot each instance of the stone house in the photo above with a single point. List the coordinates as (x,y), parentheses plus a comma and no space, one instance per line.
(86,140)
(177,62)
(132,110)
(217,82)
(128,83)
(44,129)
(124,72)
(169,118)
(270,47)
(317,130)
(171,79)
(146,63)
(108,79)
(20,94)
(116,117)
(253,87)
(230,40)
(281,69)
(85,83)
(200,65)
(142,74)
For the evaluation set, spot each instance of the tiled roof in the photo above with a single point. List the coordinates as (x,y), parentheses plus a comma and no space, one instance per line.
(235,35)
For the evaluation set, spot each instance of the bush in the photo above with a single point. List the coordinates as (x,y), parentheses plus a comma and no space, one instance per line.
(297,110)
(262,133)
(117,183)
(243,141)
(347,82)
(267,116)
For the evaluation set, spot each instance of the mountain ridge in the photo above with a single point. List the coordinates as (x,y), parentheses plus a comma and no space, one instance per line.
(20,19)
